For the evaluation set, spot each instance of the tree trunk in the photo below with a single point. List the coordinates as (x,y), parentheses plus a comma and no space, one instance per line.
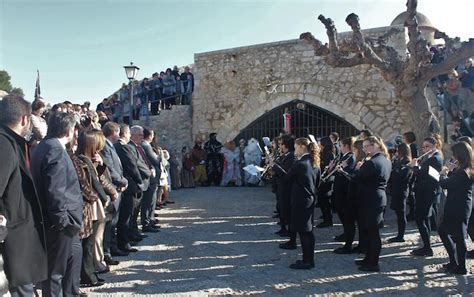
(421,119)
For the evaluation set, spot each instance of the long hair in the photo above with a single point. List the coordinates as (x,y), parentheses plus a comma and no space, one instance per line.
(328,145)
(90,142)
(404,151)
(313,149)
(463,153)
(358,150)
(379,142)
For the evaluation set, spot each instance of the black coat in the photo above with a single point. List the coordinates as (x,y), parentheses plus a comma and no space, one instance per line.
(372,179)
(457,209)
(283,190)
(427,190)
(58,187)
(24,249)
(128,158)
(304,180)
(399,184)
(341,184)
(112,161)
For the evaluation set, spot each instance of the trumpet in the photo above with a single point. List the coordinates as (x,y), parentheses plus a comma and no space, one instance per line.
(326,175)
(270,163)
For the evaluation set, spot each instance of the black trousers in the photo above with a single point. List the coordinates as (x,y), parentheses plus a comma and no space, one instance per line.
(470,226)
(110,236)
(401,222)
(325,205)
(374,246)
(347,217)
(87,268)
(433,217)
(125,214)
(411,198)
(424,228)
(307,244)
(64,264)
(148,205)
(22,291)
(137,203)
(455,244)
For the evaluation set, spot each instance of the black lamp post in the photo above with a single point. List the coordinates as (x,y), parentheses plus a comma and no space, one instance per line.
(131,72)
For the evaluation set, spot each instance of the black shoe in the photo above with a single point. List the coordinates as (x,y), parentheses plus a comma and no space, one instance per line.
(344,250)
(423,252)
(283,233)
(130,249)
(459,270)
(324,225)
(470,254)
(95,284)
(275,216)
(302,265)
(357,249)
(369,268)
(170,202)
(135,238)
(133,243)
(396,239)
(109,261)
(288,245)
(119,253)
(150,229)
(362,262)
(106,270)
(448,267)
(340,238)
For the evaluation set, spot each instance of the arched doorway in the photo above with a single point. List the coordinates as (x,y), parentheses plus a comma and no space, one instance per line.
(306,118)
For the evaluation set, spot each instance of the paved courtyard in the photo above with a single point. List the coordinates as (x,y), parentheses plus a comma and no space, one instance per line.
(220,241)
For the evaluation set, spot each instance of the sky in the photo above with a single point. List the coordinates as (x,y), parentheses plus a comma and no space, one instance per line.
(81,46)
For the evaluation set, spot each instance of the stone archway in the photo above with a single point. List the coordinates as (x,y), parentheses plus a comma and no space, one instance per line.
(306,119)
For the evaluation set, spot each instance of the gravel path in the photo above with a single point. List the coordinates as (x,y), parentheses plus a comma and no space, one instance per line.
(220,241)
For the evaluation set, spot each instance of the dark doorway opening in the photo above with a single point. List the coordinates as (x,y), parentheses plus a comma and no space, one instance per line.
(306,118)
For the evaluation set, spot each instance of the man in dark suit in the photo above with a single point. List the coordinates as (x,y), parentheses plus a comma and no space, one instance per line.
(144,167)
(131,194)
(149,196)
(112,161)
(24,248)
(61,201)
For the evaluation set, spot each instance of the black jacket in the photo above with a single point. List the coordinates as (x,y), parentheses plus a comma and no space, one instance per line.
(24,249)
(58,186)
(372,179)
(130,169)
(112,161)
(341,183)
(399,182)
(459,200)
(304,180)
(284,188)
(427,190)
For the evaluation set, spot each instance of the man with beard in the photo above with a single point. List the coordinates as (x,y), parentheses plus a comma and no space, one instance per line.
(214,160)
(24,248)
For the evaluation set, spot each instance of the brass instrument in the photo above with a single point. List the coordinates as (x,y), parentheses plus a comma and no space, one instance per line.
(326,175)
(271,161)
(420,158)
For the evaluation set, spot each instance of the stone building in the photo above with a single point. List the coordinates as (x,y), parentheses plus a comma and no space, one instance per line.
(243,92)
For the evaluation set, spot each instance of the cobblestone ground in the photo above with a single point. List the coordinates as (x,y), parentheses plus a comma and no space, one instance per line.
(220,241)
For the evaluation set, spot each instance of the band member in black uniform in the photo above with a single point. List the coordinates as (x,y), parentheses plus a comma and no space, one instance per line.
(372,178)
(304,177)
(427,191)
(328,154)
(470,226)
(335,139)
(343,199)
(410,139)
(458,206)
(285,161)
(276,142)
(399,185)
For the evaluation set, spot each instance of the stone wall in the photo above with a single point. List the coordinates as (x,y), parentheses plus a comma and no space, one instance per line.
(236,86)
(172,127)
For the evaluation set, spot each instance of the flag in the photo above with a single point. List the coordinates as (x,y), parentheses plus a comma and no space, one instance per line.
(37,88)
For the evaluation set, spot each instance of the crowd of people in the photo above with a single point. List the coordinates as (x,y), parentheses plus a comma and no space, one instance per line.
(75,190)
(455,93)
(150,96)
(353,178)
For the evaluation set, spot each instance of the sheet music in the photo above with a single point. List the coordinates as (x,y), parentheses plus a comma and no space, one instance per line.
(312,138)
(433,173)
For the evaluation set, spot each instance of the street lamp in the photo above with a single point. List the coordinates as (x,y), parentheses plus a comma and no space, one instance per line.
(131,72)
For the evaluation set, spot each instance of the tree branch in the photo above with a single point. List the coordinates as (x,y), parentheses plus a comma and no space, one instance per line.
(331,32)
(417,46)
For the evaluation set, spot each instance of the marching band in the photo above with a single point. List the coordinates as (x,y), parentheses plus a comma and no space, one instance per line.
(353,179)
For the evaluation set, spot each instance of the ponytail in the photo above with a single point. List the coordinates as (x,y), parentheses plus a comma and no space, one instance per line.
(313,150)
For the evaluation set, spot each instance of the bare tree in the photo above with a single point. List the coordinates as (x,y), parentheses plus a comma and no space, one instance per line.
(408,76)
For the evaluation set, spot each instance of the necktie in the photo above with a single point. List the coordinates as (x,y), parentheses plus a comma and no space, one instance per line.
(142,152)
(27,156)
